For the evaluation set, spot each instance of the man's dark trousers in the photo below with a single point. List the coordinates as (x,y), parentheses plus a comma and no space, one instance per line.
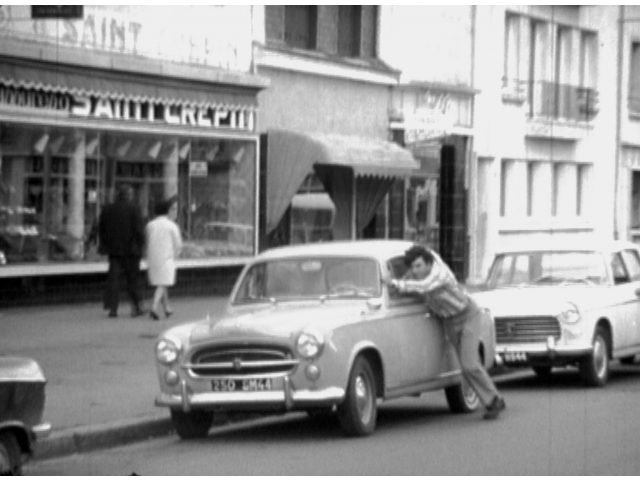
(129,266)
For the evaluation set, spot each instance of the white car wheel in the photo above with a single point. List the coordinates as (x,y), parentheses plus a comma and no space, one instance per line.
(595,367)
(358,412)
(10,455)
(462,398)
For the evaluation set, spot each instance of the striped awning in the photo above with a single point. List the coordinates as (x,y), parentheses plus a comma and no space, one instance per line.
(51,77)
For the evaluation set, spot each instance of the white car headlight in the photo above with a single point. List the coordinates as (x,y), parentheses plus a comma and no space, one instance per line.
(309,344)
(570,314)
(167,351)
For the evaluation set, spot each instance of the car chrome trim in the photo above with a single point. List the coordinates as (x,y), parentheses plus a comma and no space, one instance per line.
(41,430)
(297,397)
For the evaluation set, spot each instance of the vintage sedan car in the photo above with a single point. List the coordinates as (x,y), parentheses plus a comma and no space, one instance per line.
(22,398)
(560,306)
(314,328)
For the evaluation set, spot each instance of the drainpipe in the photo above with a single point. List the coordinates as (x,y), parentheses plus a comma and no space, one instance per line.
(616,232)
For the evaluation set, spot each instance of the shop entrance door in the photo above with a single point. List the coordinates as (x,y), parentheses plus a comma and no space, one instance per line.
(453,206)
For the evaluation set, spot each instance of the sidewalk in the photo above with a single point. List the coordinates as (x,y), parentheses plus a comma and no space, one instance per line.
(101,377)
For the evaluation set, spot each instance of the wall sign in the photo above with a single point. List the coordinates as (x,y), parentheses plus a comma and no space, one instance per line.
(105,107)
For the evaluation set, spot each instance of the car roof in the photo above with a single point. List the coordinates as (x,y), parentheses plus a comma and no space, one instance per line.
(564,245)
(381,249)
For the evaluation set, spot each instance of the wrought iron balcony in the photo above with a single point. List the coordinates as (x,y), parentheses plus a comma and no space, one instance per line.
(551,100)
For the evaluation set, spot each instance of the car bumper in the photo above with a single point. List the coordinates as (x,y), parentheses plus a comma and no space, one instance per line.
(285,399)
(550,351)
(40,431)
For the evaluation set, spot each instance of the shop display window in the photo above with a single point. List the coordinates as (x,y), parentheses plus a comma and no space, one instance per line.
(54,183)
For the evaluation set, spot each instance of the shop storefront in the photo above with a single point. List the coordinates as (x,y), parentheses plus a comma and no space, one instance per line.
(322,187)
(434,122)
(70,135)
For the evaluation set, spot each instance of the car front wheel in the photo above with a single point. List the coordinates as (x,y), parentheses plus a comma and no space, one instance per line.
(595,366)
(462,398)
(10,455)
(358,412)
(194,424)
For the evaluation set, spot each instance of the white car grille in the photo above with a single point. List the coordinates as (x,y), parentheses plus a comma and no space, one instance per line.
(526,329)
(242,361)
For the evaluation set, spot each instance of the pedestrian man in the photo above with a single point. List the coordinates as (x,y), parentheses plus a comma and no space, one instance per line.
(460,316)
(121,232)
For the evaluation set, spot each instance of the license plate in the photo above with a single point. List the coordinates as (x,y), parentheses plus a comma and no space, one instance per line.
(242,385)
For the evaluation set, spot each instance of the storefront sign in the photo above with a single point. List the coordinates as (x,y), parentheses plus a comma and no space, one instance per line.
(198,169)
(104,107)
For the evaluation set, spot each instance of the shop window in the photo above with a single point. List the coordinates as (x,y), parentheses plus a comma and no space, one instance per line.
(300,26)
(564,189)
(54,183)
(635,199)
(421,223)
(632,262)
(583,189)
(312,213)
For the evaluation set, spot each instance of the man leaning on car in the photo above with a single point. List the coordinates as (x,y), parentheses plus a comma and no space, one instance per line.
(460,316)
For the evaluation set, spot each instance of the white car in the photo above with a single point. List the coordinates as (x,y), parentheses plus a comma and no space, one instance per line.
(312,327)
(564,306)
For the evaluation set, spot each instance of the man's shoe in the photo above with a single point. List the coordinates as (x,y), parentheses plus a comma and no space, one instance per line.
(494,408)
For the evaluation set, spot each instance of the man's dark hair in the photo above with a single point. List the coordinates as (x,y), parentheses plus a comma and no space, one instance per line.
(416,251)
(163,207)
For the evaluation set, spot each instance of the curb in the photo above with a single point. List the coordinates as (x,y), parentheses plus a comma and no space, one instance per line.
(86,439)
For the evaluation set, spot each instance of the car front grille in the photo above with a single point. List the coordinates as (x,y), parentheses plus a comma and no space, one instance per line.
(242,360)
(526,329)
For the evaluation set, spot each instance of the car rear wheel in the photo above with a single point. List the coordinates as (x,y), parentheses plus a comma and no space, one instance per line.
(595,367)
(10,455)
(190,425)
(462,398)
(358,412)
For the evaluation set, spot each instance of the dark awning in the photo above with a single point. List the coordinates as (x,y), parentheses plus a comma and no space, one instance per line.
(292,155)
(52,77)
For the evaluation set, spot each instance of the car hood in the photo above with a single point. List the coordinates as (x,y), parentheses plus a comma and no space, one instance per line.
(540,300)
(283,320)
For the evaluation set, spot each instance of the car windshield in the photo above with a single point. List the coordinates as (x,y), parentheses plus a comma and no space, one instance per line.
(304,278)
(547,268)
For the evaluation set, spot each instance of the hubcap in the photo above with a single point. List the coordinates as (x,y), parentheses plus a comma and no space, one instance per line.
(470,396)
(599,356)
(363,398)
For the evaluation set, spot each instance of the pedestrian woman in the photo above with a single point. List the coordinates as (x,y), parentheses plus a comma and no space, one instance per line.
(163,247)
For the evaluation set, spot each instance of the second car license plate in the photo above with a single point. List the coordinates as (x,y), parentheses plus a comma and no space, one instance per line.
(242,385)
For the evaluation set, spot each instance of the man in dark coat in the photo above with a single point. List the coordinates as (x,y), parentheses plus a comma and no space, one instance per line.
(121,231)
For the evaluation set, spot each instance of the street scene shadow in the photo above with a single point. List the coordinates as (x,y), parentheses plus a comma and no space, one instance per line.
(563,378)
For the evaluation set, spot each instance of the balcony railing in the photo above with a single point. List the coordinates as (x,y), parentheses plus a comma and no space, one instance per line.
(551,100)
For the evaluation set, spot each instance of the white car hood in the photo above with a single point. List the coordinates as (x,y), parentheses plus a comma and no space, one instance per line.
(282,320)
(539,300)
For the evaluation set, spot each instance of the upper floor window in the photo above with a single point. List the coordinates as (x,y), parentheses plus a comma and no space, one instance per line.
(551,67)
(349,22)
(300,26)
(634,80)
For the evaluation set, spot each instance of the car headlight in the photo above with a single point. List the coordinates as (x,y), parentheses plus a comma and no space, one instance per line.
(309,344)
(167,351)
(570,314)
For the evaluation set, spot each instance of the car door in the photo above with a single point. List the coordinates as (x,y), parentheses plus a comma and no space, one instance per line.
(631,260)
(419,338)
(624,309)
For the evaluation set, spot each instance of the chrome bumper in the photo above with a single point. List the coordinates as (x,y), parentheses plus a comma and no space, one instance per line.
(287,398)
(520,353)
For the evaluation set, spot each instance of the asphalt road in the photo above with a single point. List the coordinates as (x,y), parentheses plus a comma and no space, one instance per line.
(549,428)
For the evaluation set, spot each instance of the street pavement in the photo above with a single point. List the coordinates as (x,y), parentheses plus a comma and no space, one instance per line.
(101,377)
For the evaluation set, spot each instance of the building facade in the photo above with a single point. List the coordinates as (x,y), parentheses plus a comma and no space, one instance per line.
(126,94)
(329,162)
(545,126)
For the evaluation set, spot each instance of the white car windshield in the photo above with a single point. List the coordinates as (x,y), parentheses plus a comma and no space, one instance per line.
(547,268)
(304,278)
